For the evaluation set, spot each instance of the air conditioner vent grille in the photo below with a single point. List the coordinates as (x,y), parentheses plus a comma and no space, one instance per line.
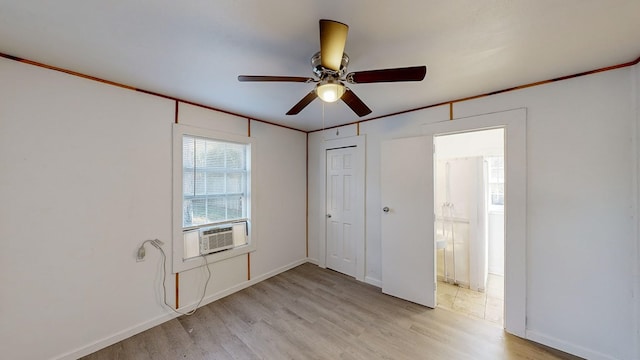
(216,239)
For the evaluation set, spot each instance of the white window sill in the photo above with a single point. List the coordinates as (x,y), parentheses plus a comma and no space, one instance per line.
(195,262)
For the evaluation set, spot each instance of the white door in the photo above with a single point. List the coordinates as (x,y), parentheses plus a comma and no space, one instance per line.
(341,211)
(408,248)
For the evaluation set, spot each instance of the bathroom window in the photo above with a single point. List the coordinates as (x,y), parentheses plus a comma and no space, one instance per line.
(496,182)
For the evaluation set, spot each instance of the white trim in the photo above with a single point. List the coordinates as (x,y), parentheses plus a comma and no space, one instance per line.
(567,347)
(514,123)
(635,211)
(243,285)
(359,142)
(273,273)
(112,339)
(178,263)
(373,281)
(136,329)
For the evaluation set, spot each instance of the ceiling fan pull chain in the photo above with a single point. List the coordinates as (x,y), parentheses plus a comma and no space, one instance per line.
(324,138)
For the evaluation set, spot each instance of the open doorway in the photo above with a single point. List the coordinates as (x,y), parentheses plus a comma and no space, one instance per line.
(469,184)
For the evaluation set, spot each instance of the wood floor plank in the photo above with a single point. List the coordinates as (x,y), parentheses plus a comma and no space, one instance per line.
(197,328)
(184,347)
(314,313)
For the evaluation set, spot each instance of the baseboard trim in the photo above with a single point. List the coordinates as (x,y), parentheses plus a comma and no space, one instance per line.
(119,336)
(373,281)
(224,293)
(136,329)
(566,347)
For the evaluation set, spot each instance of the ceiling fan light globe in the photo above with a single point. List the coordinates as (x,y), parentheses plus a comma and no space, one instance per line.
(330,92)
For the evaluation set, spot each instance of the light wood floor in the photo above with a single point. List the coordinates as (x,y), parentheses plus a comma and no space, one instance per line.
(313,313)
(487,305)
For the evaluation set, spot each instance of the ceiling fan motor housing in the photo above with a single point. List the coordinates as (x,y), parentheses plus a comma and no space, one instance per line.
(331,76)
(323,73)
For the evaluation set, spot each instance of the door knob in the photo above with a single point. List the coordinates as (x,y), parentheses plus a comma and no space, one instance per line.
(329,216)
(385,209)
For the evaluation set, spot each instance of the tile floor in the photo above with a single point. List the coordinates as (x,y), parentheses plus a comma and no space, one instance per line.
(488,305)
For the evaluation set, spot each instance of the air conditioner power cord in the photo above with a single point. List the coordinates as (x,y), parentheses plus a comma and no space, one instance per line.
(158,245)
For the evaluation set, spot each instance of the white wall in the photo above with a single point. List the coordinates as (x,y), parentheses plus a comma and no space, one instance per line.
(86,178)
(281,173)
(580,211)
(582,193)
(476,143)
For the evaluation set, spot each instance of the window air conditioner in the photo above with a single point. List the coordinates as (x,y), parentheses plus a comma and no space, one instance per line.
(215,238)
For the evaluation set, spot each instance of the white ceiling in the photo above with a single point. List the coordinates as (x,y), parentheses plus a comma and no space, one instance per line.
(195,49)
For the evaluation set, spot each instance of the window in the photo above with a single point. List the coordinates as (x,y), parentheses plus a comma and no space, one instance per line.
(212,196)
(214,175)
(496,182)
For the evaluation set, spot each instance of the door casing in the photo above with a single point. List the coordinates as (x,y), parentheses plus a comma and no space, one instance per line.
(515,280)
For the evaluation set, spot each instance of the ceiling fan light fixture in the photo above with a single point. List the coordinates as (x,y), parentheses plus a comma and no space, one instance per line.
(330,68)
(330,91)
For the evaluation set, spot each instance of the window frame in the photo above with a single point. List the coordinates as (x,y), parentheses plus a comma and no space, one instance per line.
(179,263)
(495,208)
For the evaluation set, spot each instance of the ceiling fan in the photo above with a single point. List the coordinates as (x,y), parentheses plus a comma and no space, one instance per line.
(330,65)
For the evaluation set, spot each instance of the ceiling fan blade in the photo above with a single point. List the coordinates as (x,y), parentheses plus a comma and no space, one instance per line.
(303,103)
(354,102)
(274,78)
(415,73)
(333,37)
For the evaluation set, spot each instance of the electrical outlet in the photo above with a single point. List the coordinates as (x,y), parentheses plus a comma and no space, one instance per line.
(141,254)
